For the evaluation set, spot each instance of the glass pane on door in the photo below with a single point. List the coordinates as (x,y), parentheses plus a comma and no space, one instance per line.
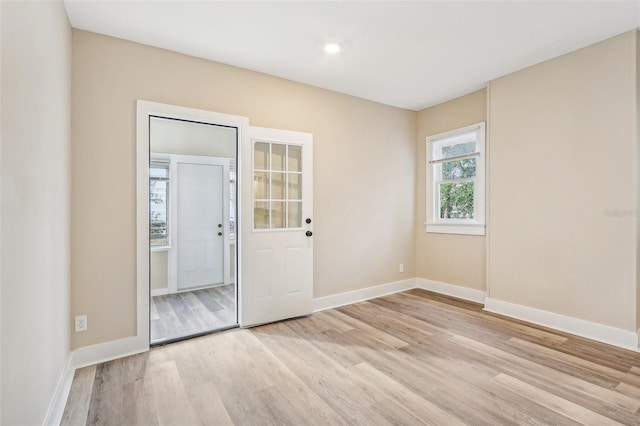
(295,158)
(294,186)
(277,186)
(278,156)
(261,214)
(294,214)
(261,156)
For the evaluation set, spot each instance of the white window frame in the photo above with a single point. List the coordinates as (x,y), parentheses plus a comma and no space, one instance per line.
(436,224)
(163,163)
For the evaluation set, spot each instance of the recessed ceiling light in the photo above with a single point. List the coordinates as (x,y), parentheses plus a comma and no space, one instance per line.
(332,48)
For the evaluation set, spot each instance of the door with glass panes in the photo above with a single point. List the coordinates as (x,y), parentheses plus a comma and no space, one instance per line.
(277,244)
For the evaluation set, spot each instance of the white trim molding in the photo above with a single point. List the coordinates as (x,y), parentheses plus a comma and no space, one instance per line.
(61,394)
(462,229)
(591,330)
(360,295)
(458,291)
(83,357)
(145,109)
(108,351)
(435,159)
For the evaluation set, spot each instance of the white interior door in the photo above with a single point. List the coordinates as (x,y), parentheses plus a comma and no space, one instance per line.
(277,244)
(200,225)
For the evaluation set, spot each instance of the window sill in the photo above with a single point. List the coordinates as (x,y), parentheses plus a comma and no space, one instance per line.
(461,229)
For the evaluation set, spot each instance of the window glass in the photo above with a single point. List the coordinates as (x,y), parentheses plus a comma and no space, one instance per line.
(295,158)
(459,169)
(277,186)
(456,200)
(159,204)
(261,185)
(455,186)
(278,214)
(458,149)
(158,171)
(295,186)
(261,156)
(261,215)
(294,214)
(278,156)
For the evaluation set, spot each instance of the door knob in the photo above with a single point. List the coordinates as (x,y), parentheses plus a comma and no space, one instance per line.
(219,234)
(219,225)
(308,220)
(308,233)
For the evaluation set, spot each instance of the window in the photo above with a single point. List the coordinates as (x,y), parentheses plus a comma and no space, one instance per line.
(159,203)
(455,181)
(277,186)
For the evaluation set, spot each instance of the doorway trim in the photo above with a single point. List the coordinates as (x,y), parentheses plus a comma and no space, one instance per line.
(173,160)
(145,109)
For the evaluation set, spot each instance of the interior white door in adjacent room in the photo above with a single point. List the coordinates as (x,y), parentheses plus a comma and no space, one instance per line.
(277,243)
(200,225)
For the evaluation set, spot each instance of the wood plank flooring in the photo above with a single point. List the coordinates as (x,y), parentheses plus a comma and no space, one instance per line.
(410,358)
(191,312)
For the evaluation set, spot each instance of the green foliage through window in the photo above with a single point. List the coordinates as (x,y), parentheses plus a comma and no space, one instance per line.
(456,198)
(159,204)
(456,181)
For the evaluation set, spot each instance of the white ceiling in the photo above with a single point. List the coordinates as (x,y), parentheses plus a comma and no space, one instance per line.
(406,54)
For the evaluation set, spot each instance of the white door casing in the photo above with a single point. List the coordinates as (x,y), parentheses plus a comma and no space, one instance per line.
(146,109)
(277,250)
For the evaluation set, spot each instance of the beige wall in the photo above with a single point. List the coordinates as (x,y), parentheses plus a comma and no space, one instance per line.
(453,259)
(364,170)
(35,161)
(562,189)
(158,271)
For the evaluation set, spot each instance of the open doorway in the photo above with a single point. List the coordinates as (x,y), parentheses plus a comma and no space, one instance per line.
(192,228)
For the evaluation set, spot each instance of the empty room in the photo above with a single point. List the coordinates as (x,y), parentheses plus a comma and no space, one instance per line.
(319,212)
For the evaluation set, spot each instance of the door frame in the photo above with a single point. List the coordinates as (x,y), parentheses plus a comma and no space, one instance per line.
(172,252)
(145,109)
(207,161)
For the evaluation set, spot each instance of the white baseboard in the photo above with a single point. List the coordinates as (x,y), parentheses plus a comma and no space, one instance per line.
(591,330)
(108,351)
(60,395)
(460,292)
(90,355)
(349,297)
(82,357)
(159,292)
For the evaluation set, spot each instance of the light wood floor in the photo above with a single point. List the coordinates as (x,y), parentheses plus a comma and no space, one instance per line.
(191,312)
(409,358)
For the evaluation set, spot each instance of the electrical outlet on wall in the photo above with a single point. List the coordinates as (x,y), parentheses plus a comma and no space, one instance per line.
(81,323)
(401,268)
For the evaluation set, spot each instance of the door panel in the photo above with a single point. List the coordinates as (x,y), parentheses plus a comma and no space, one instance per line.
(294,277)
(200,212)
(278,267)
(261,272)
